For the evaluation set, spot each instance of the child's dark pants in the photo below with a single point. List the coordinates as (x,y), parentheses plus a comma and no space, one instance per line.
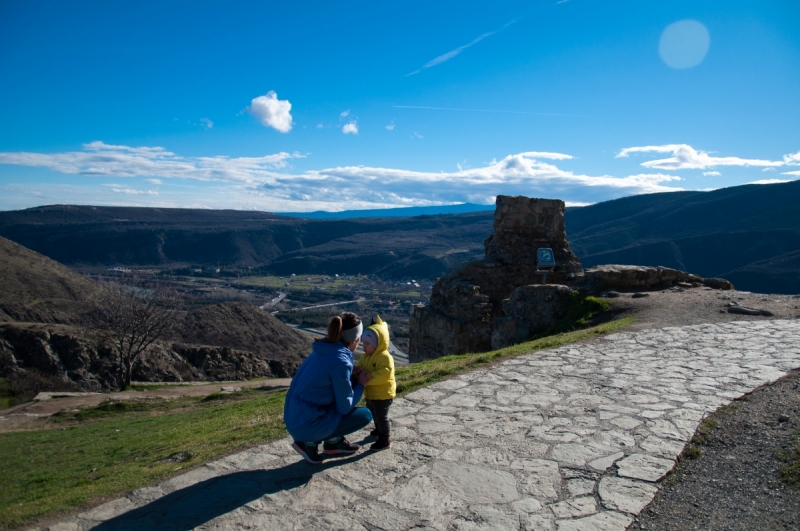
(380,415)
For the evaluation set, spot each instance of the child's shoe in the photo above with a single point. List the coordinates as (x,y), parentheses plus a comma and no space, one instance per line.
(309,453)
(343,447)
(381,444)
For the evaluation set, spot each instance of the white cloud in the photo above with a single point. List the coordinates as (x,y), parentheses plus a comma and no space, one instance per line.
(344,114)
(350,128)
(792,160)
(417,135)
(205,122)
(272,112)
(262,182)
(685,157)
(320,126)
(390,127)
(791,173)
(452,53)
(131,191)
(100,159)
(768,169)
(154,181)
(711,174)
(770,181)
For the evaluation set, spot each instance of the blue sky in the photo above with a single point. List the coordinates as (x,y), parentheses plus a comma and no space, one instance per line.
(299,106)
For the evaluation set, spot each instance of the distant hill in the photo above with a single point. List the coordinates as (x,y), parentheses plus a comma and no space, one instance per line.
(36,288)
(748,234)
(423,246)
(393,212)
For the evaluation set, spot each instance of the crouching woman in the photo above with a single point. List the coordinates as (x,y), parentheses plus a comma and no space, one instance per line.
(320,404)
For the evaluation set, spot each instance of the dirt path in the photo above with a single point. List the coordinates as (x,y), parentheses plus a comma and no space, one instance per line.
(34,415)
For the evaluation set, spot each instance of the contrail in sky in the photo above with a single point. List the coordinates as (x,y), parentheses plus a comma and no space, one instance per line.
(452,53)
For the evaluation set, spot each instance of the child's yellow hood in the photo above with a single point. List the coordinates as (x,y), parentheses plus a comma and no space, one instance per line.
(381,329)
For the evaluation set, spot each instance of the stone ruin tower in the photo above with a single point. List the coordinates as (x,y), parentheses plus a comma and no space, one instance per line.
(470,307)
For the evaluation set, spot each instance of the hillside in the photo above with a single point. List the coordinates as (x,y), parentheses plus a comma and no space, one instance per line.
(108,236)
(749,234)
(44,347)
(244,327)
(36,288)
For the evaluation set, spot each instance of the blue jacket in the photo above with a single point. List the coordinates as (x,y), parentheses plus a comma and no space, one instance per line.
(321,393)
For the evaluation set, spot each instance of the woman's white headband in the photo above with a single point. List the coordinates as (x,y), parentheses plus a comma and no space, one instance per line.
(351,334)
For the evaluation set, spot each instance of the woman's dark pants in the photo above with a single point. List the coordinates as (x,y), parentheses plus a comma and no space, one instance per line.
(353,421)
(380,414)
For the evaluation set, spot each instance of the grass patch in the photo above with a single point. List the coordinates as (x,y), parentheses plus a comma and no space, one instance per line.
(790,472)
(580,309)
(427,372)
(704,430)
(117,447)
(46,472)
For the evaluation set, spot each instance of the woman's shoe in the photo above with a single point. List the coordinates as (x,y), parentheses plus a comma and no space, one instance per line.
(309,453)
(374,433)
(381,444)
(343,447)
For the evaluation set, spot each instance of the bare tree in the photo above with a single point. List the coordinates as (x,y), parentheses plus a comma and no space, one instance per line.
(130,317)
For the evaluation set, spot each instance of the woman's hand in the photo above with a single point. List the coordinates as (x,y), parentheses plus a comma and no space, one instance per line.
(364,377)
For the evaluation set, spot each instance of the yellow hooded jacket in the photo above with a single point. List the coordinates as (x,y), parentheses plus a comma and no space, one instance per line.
(380,365)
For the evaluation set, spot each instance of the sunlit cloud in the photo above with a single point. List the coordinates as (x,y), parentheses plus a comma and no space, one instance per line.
(104,160)
(264,182)
(793,159)
(350,128)
(205,122)
(791,173)
(154,181)
(685,157)
(272,112)
(771,181)
(711,174)
(131,191)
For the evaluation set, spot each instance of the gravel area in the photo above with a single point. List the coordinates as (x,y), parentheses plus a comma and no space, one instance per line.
(679,307)
(735,482)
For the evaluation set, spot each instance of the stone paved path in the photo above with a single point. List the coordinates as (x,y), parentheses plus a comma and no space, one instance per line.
(575,438)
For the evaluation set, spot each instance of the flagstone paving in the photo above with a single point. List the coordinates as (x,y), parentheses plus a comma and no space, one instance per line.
(574,438)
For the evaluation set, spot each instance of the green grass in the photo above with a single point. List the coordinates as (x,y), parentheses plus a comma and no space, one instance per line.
(119,447)
(299,282)
(116,447)
(427,372)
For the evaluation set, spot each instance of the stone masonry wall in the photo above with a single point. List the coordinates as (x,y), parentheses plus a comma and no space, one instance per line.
(468,301)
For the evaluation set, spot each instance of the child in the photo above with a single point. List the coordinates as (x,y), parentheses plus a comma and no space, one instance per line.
(381,389)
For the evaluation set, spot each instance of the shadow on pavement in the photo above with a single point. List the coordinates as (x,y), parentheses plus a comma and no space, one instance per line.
(202,502)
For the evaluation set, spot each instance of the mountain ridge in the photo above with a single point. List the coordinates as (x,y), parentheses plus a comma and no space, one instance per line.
(748,234)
